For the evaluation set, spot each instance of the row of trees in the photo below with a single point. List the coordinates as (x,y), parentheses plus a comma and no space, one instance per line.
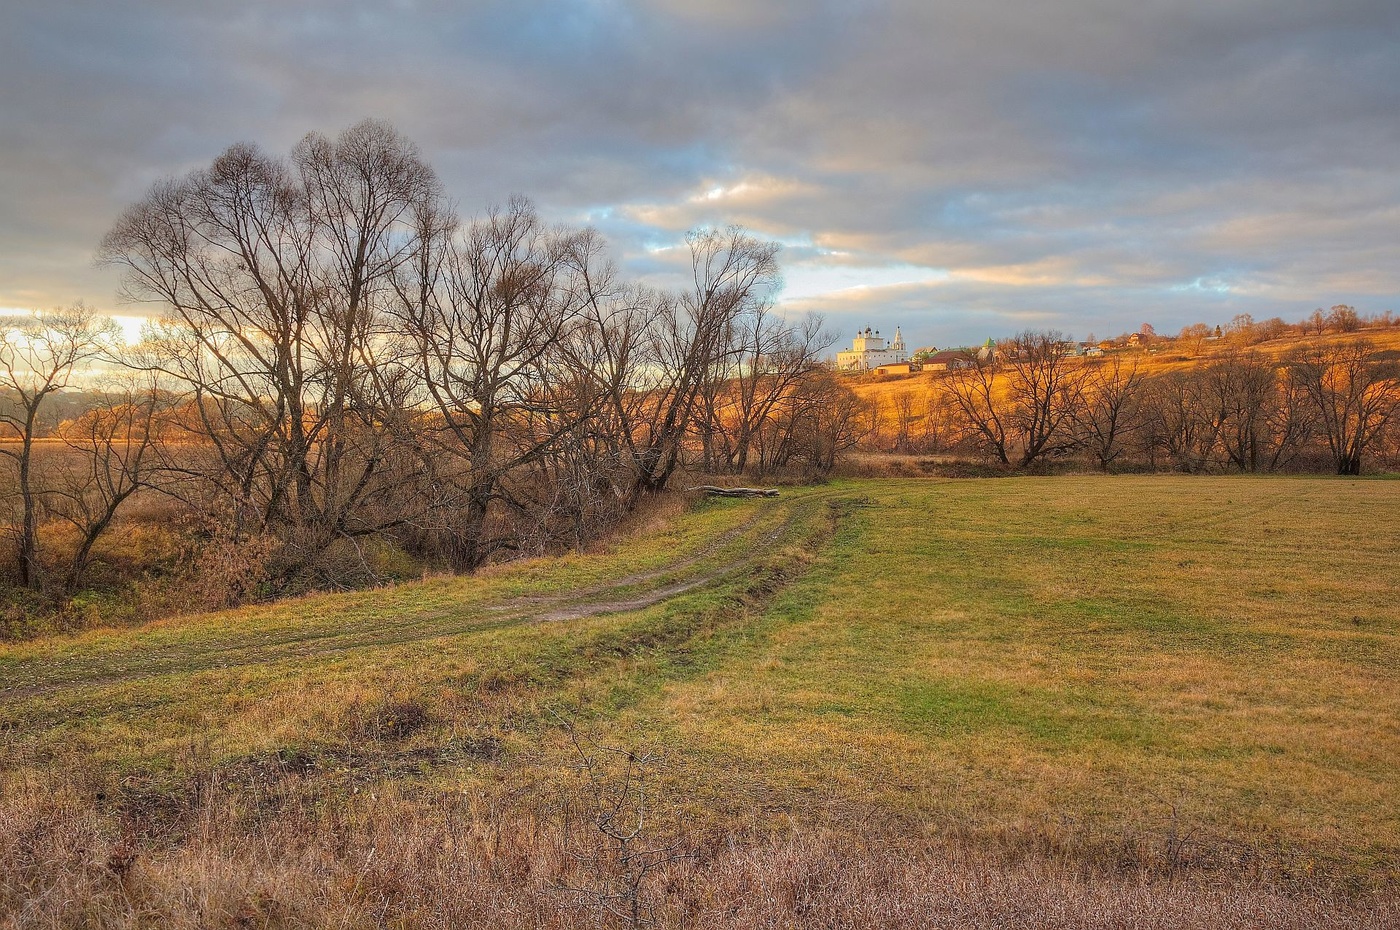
(338,357)
(1244,330)
(1243,411)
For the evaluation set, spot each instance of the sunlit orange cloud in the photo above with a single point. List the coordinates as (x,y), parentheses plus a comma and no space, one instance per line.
(1049,272)
(817,279)
(854,298)
(928,252)
(737,200)
(876,301)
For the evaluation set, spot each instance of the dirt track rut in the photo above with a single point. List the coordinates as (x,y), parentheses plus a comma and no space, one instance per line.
(711,565)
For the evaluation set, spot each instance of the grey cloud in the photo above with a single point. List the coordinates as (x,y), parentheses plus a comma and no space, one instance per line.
(1085,164)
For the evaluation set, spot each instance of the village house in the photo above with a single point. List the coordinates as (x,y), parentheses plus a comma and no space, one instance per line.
(949,360)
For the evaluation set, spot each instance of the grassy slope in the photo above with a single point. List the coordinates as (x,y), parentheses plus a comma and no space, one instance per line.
(1074,663)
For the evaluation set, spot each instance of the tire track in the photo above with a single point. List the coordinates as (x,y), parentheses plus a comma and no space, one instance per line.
(576,604)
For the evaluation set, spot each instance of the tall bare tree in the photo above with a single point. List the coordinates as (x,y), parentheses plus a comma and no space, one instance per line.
(1353,393)
(689,341)
(1043,392)
(1106,414)
(272,277)
(40,355)
(487,322)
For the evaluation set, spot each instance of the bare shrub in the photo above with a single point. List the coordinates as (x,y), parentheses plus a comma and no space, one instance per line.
(225,567)
(611,839)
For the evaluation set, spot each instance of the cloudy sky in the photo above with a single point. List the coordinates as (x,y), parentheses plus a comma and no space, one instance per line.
(962,169)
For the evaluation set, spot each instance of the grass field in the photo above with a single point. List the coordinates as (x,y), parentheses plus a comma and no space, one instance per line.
(1133,683)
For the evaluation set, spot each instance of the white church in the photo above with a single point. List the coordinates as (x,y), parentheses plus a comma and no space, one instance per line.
(868,350)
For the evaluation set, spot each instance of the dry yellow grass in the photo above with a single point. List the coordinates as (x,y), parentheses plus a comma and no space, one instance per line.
(390,861)
(1163,701)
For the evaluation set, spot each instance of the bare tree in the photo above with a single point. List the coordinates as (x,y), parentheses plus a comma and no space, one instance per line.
(272,275)
(771,357)
(973,394)
(1243,330)
(1193,338)
(1354,395)
(486,319)
(111,456)
(1023,405)
(824,419)
(1043,390)
(1317,321)
(1343,319)
(39,356)
(1245,387)
(934,434)
(1292,419)
(611,348)
(1227,412)
(689,342)
(903,421)
(1106,415)
(1181,421)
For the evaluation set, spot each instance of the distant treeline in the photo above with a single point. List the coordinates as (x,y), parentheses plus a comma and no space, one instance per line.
(1328,405)
(1243,330)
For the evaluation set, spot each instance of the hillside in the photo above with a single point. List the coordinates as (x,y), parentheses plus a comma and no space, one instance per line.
(885,390)
(1088,682)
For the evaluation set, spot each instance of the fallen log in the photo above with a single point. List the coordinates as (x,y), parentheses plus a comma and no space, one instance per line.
(735,492)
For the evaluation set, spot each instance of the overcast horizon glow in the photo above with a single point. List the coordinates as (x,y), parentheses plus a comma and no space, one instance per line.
(961,170)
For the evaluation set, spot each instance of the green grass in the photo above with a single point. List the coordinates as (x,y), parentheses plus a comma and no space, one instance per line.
(1061,662)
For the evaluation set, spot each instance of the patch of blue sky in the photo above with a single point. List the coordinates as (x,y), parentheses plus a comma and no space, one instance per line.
(1204,285)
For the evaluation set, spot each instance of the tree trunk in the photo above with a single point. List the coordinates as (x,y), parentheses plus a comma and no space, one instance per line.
(30,572)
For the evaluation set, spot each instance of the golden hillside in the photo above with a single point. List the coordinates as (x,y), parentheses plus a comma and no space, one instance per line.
(887,392)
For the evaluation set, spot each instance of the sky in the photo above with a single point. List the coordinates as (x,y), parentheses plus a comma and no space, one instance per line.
(958,169)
